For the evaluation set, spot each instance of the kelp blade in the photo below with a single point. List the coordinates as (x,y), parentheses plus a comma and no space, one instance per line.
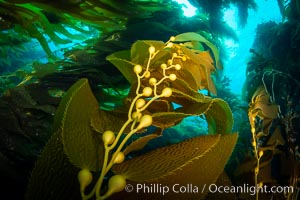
(197,161)
(82,144)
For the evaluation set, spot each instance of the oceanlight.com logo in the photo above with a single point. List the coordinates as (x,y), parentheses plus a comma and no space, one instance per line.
(156,188)
(252,190)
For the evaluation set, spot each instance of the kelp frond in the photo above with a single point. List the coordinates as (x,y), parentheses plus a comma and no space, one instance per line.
(41,18)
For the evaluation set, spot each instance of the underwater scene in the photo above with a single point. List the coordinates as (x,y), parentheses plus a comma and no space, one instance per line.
(150,99)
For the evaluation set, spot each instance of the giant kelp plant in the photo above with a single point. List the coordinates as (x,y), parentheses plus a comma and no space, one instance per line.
(92,141)
(272,90)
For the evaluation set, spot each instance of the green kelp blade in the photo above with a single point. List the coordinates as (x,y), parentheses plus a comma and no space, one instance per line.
(198,161)
(122,61)
(82,144)
(219,117)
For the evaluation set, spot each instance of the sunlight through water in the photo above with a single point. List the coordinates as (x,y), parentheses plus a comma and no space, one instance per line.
(188,9)
(238,53)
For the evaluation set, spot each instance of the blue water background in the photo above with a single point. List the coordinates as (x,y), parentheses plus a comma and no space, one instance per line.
(235,66)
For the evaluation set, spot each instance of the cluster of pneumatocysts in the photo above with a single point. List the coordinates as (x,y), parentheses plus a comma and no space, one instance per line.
(136,120)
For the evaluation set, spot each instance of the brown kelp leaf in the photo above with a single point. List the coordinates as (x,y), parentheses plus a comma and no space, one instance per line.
(82,145)
(268,111)
(201,65)
(139,143)
(53,175)
(197,161)
(191,74)
(266,125)
(184,95)
(107,120)
(196,69)
(217,114)
(168,119)
(139,51)
(160,105)
(206,60)
(165,161)
(190,36)
(122,61)
(265,108)
(261,104)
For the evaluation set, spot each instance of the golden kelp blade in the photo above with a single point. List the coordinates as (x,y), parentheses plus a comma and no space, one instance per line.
(82,144)
(53,176)
(191,36)
(197,161)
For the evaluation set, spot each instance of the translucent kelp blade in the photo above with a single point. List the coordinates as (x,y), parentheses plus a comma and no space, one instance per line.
(139,51)
(53,176)
(122,61)
(217,114)
(198,161)
(191,36)
(139,144)
(82,144)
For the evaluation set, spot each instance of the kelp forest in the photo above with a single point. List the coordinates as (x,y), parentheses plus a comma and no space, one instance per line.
(110,99)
